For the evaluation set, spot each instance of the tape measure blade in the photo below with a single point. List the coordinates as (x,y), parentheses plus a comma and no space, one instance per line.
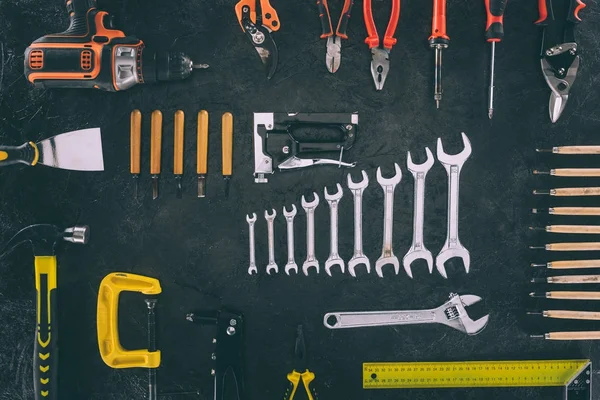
(426,375)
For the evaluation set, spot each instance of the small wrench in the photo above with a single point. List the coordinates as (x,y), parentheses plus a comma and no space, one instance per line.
(311,259)
(252,268)
(334,258)
(272,266)
(387,253)
(417,249)
(289,218)
(452,313)
(452,247)
(357,192)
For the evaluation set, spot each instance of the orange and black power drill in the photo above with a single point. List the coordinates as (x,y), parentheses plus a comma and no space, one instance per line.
(92,54)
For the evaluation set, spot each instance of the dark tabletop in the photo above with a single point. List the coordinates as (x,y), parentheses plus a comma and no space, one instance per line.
(198,248)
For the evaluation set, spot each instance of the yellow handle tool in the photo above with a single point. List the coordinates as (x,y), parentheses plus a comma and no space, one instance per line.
(178,150)
(227,133)
(202,154)
(112,352)
(135,141)
(155,150)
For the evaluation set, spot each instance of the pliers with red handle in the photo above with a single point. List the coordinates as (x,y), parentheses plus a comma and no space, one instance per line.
(334,41)
(559,58)
(380,64)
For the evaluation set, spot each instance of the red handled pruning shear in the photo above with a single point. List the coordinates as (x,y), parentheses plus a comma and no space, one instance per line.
(334,41)
(380,64)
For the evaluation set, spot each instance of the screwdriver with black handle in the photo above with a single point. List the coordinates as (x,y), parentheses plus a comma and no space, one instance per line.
(494,33)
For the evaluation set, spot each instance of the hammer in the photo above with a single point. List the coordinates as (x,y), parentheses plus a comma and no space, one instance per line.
(43,239)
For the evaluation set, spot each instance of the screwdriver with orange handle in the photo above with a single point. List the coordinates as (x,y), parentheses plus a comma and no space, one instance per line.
(202,154)
(438,40)
(227,147)
(155,150)
(135,148)
(179,121)
(494,33)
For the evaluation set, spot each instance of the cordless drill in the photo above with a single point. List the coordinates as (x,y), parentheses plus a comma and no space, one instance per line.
(91,53)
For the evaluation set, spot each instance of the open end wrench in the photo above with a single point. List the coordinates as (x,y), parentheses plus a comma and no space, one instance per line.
(289,218)
(387,253)
(359,257)
(452,247)
(334,258)
(311,259)
(272,266)
(252,269)
(452,313)
(417,250)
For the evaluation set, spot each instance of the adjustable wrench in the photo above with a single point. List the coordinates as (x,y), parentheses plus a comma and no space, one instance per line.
(358,257)
(417,249)
(252,268)
(452,313)
(272,266)
(309,209)
(452,247)
(289,218)
(387,253)
(334,258)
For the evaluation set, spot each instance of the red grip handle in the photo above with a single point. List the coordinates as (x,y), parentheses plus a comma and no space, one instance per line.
(325,18)
(343,23)
(494,29)
(438,26)
(546,15)
(574,7)
(389,40)
(372,39)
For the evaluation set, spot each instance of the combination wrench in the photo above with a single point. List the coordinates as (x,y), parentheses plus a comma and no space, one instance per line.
(252,269)
(311,259)
(357,189)
(452,313)
(289,218)
(417,250)
(452,247)
(387,253)
(272,266)
(334,201)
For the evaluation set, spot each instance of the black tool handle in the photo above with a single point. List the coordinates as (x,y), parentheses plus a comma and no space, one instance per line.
(494,31)
(344,18)
(78,10)
(45,347)
(546,14)
(574,7)
(25,154)
(326,28)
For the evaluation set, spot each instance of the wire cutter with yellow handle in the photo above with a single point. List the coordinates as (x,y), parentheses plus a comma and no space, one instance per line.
(295,377)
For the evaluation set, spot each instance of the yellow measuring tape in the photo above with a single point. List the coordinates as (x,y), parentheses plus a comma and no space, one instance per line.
(574,375)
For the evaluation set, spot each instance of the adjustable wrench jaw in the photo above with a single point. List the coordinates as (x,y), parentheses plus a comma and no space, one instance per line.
(454,314)
(387,254)
(289,218)
(311,260)
(358,258)
(334,258)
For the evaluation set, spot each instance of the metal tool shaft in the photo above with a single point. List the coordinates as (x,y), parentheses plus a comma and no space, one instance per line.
(437,80)
(491,88)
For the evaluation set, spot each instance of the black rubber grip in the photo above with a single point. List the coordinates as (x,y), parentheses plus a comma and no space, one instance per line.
(497,7)
(326,28)
(495,31)
(343,24)
(78,10)
(10,155)
(45,348)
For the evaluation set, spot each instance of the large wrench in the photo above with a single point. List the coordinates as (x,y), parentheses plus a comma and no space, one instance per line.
(334,201)
(311,259)
(289,218)
(452,313)
(357,191)
(417,249)
(452,247)
(252,268)
(272,266)
(387,253)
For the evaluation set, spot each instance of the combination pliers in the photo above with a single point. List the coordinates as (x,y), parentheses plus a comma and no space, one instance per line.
(559,57)
(334,41)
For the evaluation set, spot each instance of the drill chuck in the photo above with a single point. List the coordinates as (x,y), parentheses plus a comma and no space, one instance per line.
(165,66)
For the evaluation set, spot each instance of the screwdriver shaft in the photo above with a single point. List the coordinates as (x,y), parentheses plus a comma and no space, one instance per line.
(491,89)
(437,82)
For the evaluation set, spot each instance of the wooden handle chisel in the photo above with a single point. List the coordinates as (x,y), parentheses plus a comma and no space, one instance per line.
(227,135)
(595,211)
(135,147)
(178,122)
(155,150)
(570,172)
(202,154)
(571,150)
(573,229)
(566,295)
(564,314)
(568,279)
(569,192)
(569,246)
(569,264)
(589,335)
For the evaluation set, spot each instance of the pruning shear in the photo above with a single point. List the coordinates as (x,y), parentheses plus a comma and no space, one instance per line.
(334,42)
(258,20)
(295,377)
(380,64)
(559,58)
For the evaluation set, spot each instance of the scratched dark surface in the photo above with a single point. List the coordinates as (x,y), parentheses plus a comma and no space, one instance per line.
(199,248)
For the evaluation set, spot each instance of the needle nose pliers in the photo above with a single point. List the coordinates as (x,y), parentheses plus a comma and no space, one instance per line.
(559,58)
(334,41)
(380,64)
(295,377)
